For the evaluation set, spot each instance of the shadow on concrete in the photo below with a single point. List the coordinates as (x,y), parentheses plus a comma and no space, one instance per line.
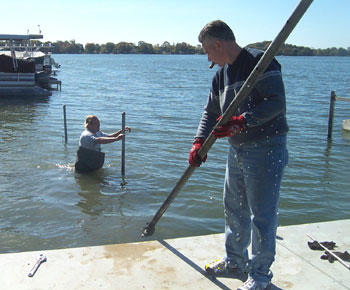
(241,277)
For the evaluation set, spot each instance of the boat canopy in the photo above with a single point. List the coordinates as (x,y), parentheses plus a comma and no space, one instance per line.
(24,54)
(20,36)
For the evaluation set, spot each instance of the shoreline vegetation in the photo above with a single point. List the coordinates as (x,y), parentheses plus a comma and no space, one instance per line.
(71,47)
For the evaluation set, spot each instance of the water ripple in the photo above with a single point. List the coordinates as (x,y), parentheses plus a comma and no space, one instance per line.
(46,205)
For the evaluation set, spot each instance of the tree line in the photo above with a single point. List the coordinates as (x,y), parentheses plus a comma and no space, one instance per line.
(71,47)
(293,50)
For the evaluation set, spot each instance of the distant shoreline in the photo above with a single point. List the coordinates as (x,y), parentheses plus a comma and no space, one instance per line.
(183,48)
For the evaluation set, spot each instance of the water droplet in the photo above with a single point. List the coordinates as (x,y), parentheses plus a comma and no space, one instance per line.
(81,223)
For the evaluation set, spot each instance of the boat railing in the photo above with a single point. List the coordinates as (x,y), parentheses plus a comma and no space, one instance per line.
(17,79)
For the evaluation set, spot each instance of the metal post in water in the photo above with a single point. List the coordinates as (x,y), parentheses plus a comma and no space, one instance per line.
(65,123)
(123,146)
(331,114)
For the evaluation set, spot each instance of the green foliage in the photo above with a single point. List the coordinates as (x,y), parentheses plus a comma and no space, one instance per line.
(168,48)
(125,48)
(67,47)
(293,50)
(92,48)
(144,48)
(109,48)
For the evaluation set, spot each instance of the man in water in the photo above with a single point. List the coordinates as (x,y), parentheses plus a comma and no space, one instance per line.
(89,155)
(257,155)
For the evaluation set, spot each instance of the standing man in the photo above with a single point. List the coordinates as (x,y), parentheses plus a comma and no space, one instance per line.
(257,155)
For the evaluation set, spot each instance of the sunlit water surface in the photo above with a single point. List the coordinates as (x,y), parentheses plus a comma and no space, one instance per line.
(46,205)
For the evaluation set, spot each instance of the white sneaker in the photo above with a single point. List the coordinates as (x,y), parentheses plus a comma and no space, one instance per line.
(251,284)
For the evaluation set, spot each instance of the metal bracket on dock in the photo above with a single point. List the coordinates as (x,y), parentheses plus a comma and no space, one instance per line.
(55,82)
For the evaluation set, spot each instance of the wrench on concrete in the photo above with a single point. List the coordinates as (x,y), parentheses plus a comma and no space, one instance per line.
(41,259)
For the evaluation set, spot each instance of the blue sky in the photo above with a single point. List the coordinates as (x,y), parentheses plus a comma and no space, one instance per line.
(325,24)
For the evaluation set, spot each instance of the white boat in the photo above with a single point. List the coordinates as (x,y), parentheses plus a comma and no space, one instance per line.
(25,71)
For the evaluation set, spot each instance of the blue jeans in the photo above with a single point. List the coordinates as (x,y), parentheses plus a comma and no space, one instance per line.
(253,178)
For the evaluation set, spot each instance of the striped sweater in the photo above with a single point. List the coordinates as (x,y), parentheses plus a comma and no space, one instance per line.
(264,109)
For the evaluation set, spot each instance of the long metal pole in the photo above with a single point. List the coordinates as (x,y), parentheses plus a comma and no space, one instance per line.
(260,67)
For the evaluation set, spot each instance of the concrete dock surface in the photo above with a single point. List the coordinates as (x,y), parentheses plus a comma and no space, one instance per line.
(178,264)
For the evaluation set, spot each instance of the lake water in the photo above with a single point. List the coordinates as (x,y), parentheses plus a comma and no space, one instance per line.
(46,205)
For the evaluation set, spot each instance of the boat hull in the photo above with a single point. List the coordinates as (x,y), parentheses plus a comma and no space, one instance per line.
(23,92)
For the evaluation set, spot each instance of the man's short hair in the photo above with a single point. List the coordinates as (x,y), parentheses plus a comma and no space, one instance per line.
(216,29)
(89,119)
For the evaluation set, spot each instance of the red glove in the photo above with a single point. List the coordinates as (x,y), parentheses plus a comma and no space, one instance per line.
(194,158)
(233,127)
